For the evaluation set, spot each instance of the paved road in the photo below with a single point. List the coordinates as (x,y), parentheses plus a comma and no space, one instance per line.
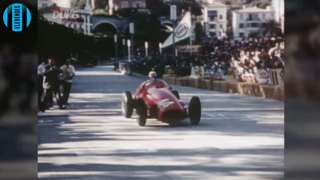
(239,137)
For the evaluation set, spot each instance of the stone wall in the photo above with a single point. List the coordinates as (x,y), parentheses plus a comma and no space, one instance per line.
(248,89)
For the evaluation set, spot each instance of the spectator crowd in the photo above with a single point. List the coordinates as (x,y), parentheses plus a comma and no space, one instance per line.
(246,60)
(54,82)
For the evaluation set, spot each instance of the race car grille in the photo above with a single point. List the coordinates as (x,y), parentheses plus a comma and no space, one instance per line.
(173,115)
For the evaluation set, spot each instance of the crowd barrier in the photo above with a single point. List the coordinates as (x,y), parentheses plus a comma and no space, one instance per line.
(270,77)
(249,89)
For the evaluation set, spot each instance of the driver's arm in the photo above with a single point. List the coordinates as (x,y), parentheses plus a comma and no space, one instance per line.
(140,89)
(165,84)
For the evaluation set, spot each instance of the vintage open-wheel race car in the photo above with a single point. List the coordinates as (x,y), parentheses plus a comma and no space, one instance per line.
(159,101)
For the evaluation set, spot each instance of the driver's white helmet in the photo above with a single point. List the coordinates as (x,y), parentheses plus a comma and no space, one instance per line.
(152,75)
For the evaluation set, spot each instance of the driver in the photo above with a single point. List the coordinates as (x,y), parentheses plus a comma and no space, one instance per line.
(152,82)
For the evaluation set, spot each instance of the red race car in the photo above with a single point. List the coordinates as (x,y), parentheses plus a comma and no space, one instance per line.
(155,99)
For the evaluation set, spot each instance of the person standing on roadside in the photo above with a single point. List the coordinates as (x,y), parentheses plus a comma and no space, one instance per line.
(68,73)
(40,72)
(51,85)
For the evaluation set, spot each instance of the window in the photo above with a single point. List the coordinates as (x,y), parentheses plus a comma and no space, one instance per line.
(138,4)
(254,25)
(212,15)
(241,34)
(213,18)
(125,4)
(241,25)
(212,26)
(241,17)
(220,16)
(212,34)
(253,17)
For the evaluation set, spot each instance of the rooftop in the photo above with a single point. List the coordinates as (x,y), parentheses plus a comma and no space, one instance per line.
(252,9)
(214,4)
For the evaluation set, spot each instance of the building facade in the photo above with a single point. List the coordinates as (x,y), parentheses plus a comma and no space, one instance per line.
(45,3)
(115,5)
(215,19)
(48,3)
(278,7)
(77,19)
(247,21)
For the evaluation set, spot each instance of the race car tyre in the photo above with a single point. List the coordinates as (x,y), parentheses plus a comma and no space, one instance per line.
(176,94)
(141,109)
(195,110)
(127,104)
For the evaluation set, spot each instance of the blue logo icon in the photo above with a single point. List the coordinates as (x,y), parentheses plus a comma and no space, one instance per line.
(17,17)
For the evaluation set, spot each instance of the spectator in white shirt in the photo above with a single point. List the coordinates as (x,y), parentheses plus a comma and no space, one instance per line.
(68,73)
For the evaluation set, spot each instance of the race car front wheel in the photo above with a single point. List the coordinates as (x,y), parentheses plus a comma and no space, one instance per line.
(141,109)
(195,110)
(127,104)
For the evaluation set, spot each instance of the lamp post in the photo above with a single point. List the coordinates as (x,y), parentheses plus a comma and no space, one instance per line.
(129,50)
(131,31)
(160,48)
(115,37)
(146,46)
(124,45)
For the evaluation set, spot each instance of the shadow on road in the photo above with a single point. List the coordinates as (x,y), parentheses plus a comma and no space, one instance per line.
(92,140)
(211,156)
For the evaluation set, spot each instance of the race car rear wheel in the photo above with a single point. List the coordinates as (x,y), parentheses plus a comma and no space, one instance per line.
(176,94)
(195,110)
(127,104)
(141,109)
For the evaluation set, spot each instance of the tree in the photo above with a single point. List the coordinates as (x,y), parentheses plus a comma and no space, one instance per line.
(271,28)
(69,41)
(228,3)
(78,4)
(158,8)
